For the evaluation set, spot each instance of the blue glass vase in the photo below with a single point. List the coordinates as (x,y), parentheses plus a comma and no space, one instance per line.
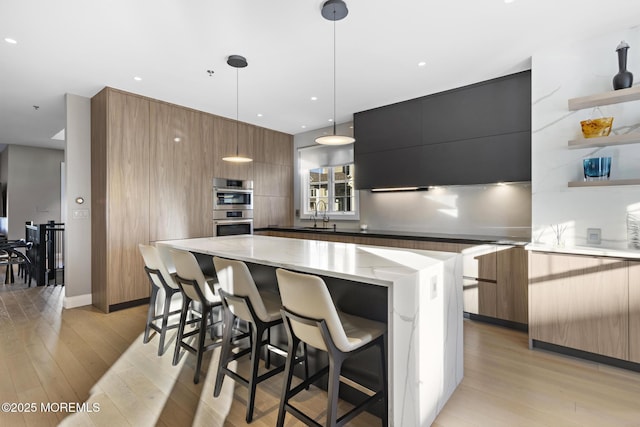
(597,168)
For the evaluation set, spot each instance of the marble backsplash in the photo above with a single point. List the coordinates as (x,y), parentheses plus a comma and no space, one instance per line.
(559,74)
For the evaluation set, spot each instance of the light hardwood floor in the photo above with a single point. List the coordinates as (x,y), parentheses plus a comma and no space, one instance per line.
(51,355)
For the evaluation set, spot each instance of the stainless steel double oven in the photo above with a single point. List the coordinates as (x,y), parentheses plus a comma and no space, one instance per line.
(232,207)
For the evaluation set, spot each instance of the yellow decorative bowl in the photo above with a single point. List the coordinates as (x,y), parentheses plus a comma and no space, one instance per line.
(594,128)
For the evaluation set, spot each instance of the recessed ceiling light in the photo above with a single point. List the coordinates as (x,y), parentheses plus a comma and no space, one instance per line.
(10,40)
(177,139)
(314,98)
(330,120)
(259,114)
(508,1)
(303,126)
(137,78)
(422,64)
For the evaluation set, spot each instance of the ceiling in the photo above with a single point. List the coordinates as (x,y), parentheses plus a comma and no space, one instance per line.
(80,46)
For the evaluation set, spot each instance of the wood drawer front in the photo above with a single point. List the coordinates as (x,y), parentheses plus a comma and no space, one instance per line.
(512,291)
(580,302)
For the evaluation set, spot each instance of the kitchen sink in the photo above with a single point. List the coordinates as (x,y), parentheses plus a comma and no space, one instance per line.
(319,229)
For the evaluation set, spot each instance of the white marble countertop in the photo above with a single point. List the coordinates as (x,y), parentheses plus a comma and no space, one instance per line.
(362,263)
(586,250)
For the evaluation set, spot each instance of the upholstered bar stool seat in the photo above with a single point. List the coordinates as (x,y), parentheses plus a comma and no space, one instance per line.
(165,255)
(311,317)
(161,282)
(260,309)
(195,288)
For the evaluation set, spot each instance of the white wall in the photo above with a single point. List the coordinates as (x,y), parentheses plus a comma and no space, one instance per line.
(4,164)
(33,187)
(481,210)
(78,183)
(569,71)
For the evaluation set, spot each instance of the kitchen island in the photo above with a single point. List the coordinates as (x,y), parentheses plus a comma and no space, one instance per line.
(423,303)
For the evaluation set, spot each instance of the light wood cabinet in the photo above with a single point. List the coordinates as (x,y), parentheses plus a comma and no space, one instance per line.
(634,311)
(580,302)
(180,175)
(147,186)
(479,297)
(512,284)
(225,134)
(273,182)
(120,197)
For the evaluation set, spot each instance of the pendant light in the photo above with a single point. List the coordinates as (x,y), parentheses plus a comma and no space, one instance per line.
(334,10)
(237,62)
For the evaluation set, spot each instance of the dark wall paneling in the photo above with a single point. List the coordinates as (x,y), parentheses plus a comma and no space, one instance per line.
(475,134)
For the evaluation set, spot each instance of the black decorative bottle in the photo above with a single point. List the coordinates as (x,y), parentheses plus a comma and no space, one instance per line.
(624,78)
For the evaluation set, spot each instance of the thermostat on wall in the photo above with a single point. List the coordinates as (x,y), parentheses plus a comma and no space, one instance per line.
(593,236)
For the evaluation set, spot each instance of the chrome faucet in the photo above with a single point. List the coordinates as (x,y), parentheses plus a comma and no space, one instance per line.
(325,217)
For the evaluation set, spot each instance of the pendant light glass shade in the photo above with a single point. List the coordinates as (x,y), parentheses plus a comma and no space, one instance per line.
(335,139)
(237,159)
(334,10)
(237,61)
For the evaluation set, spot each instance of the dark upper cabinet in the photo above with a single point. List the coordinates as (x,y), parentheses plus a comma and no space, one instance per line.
(476,134)
(499,158)
(490,108)
(388,128)
(392,168)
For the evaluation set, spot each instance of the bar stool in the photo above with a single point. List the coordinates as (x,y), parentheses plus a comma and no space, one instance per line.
(241,299)
(159,280)
(311,317)
(195,288)
(167,260)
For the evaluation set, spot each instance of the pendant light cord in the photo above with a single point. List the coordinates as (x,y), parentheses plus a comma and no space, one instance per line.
(237,112)
(334,71)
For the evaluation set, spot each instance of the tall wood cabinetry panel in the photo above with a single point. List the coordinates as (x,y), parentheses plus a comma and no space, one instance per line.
(512,291)
(120,190)
(225,134)
(634,311)
(580,302)
(99,294)
(273,179)
(181,172)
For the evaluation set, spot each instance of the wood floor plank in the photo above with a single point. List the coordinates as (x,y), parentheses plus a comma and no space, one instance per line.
(39,417)
(50,375)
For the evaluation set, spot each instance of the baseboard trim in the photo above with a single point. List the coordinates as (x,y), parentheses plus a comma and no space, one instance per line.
(500,322)
(128,304)
(581,354)
(77,301)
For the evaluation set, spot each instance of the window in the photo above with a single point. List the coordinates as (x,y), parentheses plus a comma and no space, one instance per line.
(330,190)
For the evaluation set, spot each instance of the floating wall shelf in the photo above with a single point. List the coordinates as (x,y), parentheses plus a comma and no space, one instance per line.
(605,141)
(608,183)
(606,98)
